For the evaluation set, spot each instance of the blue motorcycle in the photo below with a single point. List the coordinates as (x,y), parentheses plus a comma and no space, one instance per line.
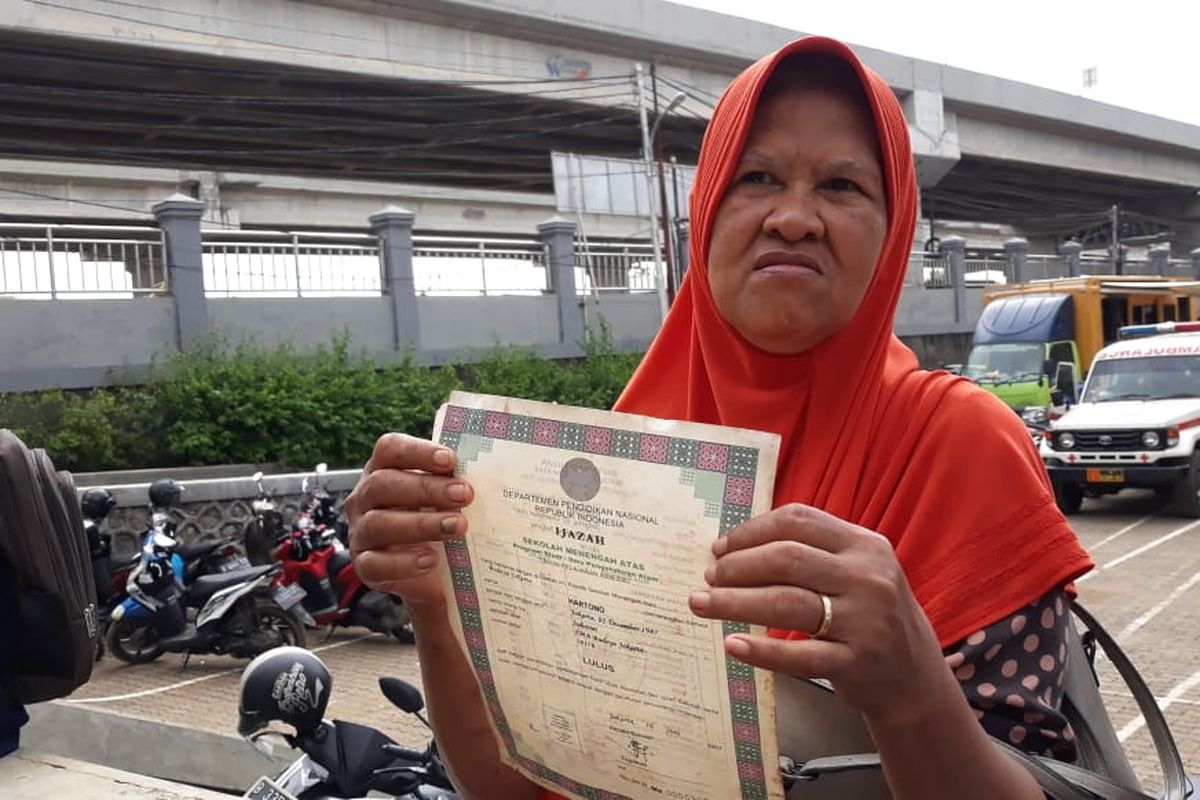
(237,611)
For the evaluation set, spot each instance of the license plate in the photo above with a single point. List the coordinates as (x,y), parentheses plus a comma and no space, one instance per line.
(266,789)
(1106,476)
(288,596)
(234,563)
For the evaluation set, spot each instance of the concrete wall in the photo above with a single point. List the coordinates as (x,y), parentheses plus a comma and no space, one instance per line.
(306,322)
(449,323)
(86,335)
(75,343)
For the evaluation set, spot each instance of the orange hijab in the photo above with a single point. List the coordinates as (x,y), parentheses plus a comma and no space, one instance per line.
(941,468)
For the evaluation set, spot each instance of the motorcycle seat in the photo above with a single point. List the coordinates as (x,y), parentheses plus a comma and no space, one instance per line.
(204,587)
(190,552)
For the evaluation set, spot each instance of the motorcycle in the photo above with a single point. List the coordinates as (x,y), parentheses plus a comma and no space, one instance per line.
(109,573)
(238,613)
(340,759)
(316,567)
(265,529)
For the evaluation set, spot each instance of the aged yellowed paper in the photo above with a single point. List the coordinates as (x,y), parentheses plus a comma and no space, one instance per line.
(587,532)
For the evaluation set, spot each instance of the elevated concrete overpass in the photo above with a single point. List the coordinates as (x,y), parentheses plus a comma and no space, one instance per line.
(470,95)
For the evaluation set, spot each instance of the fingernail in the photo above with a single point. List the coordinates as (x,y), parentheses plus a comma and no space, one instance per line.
(426,560)
(720,546)
(457,492)
(449,525)
(443,458)
(700,601)
(710,575)
(737,647)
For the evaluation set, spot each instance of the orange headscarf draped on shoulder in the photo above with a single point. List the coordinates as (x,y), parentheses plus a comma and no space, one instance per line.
(940,467)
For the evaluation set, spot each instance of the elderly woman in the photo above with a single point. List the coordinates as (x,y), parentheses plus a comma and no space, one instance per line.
(914,556)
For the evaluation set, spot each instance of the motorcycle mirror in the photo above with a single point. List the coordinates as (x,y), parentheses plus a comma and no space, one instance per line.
(257,477)
(322,468)
(402,695)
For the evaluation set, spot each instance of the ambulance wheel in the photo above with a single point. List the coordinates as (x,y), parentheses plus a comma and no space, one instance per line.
(1187,491)
(1069,497)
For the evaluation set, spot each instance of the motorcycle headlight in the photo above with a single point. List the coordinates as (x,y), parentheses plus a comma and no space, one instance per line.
(1066,440)
(1150,440)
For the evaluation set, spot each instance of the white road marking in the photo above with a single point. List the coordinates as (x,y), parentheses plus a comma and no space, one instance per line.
(1129,696)
(1175,594)
(232,671)
(1120,533)
(1173,696)
(1135,553)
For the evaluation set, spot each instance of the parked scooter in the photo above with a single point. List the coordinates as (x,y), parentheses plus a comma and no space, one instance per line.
(238,611)
(109,574)
(315,560)
(265,529)
(341,759)
(199,558)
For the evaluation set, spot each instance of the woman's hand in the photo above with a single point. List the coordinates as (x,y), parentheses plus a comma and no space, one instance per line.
(405,504)
(880,652)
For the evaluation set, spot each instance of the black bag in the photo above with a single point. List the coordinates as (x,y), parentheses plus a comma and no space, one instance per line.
(46,573)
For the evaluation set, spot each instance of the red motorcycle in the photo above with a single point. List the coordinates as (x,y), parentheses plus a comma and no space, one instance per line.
(317,568)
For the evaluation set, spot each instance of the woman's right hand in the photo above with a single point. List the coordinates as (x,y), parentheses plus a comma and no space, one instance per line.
(406,503)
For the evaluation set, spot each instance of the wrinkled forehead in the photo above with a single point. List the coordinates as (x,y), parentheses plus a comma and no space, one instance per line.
(820,73)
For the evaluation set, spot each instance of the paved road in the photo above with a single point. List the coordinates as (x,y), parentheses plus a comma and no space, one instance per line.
(1146,590)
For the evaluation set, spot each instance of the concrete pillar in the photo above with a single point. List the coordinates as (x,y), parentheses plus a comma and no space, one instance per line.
(179,218)
(1070,252)
(1159,257)
(394,227)
(558,234)
(1196,263)
(954,249)
(1016,250)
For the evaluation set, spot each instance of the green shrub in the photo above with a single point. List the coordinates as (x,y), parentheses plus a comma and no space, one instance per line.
(218,403)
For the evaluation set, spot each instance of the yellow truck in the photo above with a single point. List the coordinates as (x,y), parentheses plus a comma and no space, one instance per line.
(1035,341)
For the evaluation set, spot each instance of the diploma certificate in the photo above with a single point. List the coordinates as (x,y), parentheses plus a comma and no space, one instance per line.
(587,532)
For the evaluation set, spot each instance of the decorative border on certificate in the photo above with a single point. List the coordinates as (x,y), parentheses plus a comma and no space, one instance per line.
(721,475)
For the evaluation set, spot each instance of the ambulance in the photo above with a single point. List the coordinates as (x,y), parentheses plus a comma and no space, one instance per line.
(1137,422)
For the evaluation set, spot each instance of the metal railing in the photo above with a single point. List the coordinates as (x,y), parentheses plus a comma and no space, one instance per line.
(459,266)
(288,264)
(606,266)
(1044,266)
(927,270)
(50,262)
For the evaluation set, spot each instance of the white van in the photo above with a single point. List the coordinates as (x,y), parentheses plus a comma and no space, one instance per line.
(1137,421)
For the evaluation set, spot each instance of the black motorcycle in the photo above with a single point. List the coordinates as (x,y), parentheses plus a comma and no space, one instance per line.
(340,759)
(266,529)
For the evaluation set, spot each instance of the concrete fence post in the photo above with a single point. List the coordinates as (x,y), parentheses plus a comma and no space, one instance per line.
(954,248)
(1159,256)
(179,218)
(1071,254)
(1196,263)
(558,235)
(1016,251)
(394,227)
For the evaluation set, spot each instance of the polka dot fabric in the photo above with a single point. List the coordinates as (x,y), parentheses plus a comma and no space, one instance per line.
(1012,674)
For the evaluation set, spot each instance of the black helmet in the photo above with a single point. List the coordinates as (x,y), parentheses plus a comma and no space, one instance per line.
(96,503)
(288,684)
(165,492)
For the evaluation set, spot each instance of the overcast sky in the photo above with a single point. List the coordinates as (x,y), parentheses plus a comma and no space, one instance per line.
(1147,53)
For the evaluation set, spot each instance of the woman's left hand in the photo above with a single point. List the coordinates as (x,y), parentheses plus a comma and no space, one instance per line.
(880,651)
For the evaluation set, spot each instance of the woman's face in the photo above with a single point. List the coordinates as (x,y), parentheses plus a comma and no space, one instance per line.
(798,232)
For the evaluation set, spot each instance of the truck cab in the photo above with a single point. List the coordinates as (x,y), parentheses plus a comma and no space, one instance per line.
(1035,341)
(1137,422)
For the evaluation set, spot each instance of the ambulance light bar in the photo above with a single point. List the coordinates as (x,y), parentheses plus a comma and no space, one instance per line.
(1134,331)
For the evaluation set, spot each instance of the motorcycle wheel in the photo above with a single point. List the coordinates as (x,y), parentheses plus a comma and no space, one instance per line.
(133,641)
(287,629)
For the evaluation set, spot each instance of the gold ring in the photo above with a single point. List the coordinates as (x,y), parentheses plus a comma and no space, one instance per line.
(826,616)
